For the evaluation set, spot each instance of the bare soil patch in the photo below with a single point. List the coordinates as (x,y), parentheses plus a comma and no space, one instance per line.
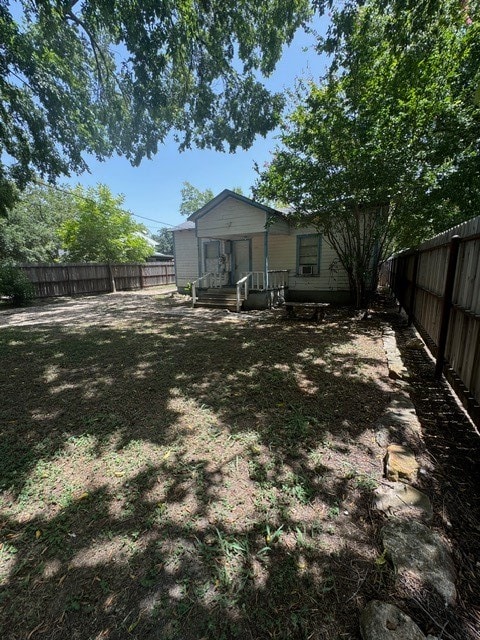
(169,473)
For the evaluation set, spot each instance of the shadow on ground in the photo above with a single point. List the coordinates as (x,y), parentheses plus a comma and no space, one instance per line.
(186,478)
(452,450)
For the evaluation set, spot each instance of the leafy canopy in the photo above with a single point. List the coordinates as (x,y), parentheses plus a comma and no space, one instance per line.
(29,232)
(417,72)
(103,77)
(102,231)
(164,241)
(386,150)
(193,199)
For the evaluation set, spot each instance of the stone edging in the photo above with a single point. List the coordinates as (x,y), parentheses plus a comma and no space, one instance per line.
(416,552)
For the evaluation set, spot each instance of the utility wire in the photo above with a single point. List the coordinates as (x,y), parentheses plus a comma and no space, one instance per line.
(87,199)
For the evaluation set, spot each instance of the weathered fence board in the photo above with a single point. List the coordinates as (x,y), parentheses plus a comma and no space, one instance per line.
(51,280)
(450,328)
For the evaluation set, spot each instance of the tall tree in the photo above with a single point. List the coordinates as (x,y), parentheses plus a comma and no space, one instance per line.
(102,231)
(103,77)
(393,131)
(336,173)
(164,240)
(421,58)
(193,199)
(29,232)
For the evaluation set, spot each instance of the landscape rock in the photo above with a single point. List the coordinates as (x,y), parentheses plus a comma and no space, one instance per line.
(401,420)
(420,555)
(414,344)
(400,463)
(401,408)
(401,403)
(383,621)
(396,368)
(401,500)
(382,437)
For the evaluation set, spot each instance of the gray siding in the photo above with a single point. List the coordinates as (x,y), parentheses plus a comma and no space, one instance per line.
(231,218)
(234,220)
(258,259)
(186,257)
(283,255)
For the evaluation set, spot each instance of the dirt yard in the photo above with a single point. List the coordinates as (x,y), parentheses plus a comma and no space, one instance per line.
(168,473)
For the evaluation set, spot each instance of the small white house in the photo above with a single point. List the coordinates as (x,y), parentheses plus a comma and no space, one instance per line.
(238,247)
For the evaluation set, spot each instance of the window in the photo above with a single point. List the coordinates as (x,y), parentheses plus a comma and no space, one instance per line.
(308,255)
(212,250)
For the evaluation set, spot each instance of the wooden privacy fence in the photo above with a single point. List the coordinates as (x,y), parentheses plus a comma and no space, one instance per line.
(438,285)
(74,279)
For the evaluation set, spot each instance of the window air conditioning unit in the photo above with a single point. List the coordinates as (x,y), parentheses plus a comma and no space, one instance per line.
(306,270)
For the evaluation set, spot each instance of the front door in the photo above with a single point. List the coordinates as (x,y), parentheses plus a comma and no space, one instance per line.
(241,259)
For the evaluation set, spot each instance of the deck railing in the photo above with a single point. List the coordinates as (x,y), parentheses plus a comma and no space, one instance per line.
(256,279)
(277,279)
(195,284)
(243,282)
(252,280)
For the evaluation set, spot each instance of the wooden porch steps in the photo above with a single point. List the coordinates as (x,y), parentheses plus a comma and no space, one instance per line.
(223,298)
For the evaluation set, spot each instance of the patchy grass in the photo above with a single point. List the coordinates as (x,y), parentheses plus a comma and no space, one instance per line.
(185,476)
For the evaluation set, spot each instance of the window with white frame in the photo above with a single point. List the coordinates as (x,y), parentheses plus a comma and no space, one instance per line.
(308,255)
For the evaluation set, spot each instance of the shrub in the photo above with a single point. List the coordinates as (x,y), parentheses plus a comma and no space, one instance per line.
(15,285)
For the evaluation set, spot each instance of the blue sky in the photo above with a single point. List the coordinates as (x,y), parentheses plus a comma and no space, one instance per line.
(152,190)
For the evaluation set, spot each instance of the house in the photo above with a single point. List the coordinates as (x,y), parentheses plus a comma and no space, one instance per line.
(239,253)
(158,256)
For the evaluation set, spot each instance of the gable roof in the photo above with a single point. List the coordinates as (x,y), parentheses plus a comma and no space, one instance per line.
(226,193)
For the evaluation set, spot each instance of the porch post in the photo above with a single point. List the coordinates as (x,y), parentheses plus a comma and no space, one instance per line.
(199,252)
(265,255)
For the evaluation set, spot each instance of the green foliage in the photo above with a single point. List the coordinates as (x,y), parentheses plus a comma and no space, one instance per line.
(164,240)
(100,77)
(417,70)
(385,152)
(193,199)
(29,232)
(15,285)
(101,231)
(8,194)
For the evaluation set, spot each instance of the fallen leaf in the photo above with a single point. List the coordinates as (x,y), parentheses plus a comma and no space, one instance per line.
(38,533)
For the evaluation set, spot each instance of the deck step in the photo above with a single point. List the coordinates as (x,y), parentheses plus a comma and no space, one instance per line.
(215,304)
(226,299)
(217,293)
(218,298)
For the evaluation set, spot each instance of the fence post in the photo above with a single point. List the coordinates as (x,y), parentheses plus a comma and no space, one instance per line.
(111,278)
(140,275)
(413,292)
(447,304)
(399,283)
(69,285)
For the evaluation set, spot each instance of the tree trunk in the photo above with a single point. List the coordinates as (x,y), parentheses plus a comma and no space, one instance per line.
(358,294)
